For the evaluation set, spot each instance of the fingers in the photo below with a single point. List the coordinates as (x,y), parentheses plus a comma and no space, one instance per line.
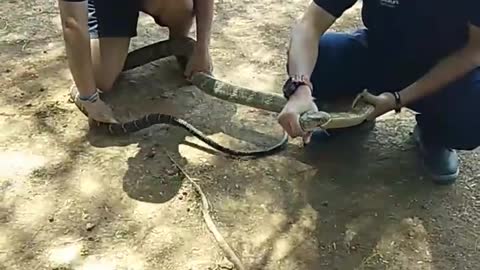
(291,125)
(366,97)
(307,137)
(110,119)
(105,116)
(188,72)
(98,111)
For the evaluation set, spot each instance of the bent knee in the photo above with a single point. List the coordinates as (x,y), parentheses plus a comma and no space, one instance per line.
(169,12)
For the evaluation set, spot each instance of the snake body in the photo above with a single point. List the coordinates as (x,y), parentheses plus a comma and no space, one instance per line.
(182,49)
(158,118)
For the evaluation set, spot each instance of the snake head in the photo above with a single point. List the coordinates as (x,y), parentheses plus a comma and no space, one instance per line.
(312,120)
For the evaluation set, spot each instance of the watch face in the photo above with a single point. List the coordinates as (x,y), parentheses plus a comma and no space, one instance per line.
(291,86)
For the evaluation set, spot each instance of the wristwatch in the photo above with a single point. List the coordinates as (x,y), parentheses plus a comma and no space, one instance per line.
(293,83)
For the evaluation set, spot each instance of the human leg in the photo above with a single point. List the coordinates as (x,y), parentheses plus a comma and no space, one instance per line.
(177,15)
(446,122)
(111,29)
(341,71)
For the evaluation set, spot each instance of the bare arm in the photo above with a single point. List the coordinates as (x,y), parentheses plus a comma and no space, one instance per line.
(75,33)
(204,16)
(449,69)
(303,47)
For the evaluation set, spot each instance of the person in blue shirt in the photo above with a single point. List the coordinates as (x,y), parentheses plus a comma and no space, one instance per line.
(422,54)
(97,36)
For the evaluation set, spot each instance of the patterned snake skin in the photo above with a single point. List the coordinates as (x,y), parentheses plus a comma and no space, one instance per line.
(262,100)
(182,49)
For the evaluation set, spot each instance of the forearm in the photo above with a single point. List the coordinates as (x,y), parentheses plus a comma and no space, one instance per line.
(77,44)
(446,71)
(304,41)
(303,50)
(204,16)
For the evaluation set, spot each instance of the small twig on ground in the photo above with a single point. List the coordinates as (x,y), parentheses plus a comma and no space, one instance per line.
(25,44)
(5,27)
(208,219)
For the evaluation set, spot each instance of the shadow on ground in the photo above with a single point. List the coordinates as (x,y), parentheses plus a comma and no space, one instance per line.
(360,201)
(160,88)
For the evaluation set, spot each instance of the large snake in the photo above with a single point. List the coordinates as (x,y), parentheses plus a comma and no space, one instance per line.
(182,50)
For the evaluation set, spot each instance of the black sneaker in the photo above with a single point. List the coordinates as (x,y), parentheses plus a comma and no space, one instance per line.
(441,163)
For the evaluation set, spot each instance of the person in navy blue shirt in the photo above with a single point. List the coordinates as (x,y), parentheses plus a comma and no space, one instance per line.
(422,54)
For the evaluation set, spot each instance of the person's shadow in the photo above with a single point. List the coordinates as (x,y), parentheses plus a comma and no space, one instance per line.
(159,87)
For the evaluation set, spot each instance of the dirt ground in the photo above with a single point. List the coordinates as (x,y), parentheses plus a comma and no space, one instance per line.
(73,199)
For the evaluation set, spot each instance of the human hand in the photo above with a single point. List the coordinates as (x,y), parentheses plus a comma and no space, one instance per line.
(94,108)
(200,61)
(288,118)
(383,103)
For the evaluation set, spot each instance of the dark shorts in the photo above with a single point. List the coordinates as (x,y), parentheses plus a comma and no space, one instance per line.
(117,20)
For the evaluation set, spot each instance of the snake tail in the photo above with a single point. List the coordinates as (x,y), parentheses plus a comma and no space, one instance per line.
(157,118)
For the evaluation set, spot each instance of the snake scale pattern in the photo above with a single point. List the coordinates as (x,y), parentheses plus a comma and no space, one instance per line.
(182,49)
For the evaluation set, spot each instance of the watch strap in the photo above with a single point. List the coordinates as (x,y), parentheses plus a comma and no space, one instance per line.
(293,83)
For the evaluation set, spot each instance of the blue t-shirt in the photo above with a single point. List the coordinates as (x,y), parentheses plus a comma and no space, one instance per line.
(418,31)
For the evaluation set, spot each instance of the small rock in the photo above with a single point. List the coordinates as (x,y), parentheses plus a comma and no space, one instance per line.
(89,227)
(7,70)
(165,95)
(151,154)
(226,265)
(171,172)
(41,89)
(91,238)
(51,219)
(180,197)
(325,203)
(184,193)
(84,252)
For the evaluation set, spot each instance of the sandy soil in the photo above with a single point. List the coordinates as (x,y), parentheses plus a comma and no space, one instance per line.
(72,199)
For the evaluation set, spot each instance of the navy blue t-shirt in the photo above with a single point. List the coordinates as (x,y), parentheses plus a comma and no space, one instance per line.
(422,31)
